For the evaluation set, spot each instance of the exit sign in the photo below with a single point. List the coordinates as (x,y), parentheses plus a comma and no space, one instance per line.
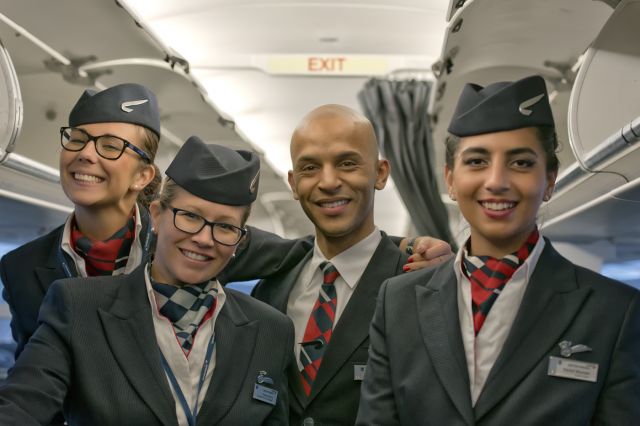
(336,64)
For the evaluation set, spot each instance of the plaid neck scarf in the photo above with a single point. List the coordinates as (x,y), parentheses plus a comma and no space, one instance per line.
(186,307)
(489,275)
(107,257)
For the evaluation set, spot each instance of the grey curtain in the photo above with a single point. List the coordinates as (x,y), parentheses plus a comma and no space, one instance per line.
(398,111)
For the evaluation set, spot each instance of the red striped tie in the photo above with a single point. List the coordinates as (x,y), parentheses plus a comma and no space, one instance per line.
(319,327)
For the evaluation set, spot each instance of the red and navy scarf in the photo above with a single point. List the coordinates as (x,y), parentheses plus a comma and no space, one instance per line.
(489,275)
(104,257)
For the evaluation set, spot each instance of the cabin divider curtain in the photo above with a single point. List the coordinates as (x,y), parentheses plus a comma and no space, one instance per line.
(398,111)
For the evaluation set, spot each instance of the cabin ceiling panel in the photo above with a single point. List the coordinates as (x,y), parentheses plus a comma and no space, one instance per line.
(270,28)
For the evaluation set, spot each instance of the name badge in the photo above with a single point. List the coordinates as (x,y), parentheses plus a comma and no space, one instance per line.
(571,369)
(265,394)
(358,372)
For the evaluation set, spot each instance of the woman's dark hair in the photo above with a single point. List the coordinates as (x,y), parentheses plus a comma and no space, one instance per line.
(150,146)
(546,135)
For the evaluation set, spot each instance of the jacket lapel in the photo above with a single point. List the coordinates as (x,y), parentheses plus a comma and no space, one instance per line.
(128,326)
(353,327)
(279,301)
(280,296)
(551,301)
(235,342)
(52,270)
(437,306)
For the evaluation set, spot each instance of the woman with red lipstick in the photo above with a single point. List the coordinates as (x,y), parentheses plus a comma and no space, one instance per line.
(508,332)
(166,344)
(107,171)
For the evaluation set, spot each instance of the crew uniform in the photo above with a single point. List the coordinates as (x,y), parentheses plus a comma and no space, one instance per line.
(560,344)
(115,350)
(332,398)
(28,271)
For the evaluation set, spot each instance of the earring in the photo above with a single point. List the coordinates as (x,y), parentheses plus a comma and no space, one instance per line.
(453,198)
(233,254)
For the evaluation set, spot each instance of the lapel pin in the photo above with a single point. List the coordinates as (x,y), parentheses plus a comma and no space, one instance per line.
(263,378)
(567,348)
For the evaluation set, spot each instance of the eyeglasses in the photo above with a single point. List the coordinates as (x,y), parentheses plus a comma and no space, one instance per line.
(107,146)
(191,223)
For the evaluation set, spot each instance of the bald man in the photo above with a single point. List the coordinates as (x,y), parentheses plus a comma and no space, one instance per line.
(330,294)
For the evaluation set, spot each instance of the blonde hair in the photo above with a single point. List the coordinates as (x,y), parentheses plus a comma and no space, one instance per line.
(150,142)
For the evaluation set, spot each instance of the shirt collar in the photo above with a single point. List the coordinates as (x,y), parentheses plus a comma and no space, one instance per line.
(352,262)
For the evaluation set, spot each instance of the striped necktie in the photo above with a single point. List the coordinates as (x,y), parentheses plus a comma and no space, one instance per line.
(319,327)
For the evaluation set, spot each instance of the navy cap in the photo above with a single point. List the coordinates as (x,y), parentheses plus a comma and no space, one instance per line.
(124,103)
(502,106)
(216,173)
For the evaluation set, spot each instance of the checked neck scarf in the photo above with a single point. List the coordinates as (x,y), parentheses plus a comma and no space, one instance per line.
(489,275)
(186,307)
(108,257)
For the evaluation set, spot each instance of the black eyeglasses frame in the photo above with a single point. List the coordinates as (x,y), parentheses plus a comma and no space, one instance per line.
(243,231)
(90,138)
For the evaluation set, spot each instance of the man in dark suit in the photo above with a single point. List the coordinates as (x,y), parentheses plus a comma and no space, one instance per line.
(336,171)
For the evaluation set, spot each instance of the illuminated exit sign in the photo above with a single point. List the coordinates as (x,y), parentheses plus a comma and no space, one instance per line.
(338,65)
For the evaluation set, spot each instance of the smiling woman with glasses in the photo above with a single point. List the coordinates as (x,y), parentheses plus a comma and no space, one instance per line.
(166,344)
(109,185)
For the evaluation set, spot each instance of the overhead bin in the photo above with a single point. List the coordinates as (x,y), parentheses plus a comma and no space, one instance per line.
(598,197)
(11,110)
(496,40)
(605,99)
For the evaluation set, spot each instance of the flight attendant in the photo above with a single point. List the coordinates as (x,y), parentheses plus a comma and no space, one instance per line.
(166,344)
(107,171)
(509,331)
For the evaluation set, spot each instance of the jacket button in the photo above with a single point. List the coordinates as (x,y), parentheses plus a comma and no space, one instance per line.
(308,421)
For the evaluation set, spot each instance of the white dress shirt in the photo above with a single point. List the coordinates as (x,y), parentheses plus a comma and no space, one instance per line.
(186,369)
(135,254)
(482,350)
(351,264)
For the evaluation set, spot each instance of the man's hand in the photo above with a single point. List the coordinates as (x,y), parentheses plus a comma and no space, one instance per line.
(427,251)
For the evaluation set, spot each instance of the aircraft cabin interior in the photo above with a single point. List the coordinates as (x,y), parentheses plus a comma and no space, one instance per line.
(243,73)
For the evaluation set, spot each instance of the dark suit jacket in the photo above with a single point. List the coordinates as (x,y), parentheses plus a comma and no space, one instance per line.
(26,274)
(335,394)
(96,351)
(417,372)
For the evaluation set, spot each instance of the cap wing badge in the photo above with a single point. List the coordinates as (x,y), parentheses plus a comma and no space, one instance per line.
(125,106)
(253,186)
(523,107)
